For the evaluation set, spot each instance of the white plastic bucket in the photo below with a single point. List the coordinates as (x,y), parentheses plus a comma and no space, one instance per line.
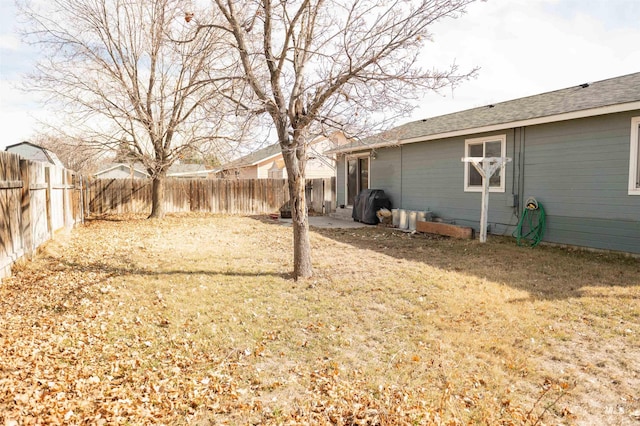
(413,216)
(404,219)
(395,217)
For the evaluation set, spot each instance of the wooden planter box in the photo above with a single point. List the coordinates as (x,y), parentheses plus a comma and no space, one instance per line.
(454,231)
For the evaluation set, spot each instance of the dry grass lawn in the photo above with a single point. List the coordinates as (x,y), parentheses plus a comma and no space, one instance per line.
(195,320)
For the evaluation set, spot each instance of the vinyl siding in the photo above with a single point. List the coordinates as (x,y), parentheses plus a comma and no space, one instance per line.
(430,176)
(386,174)
(602,234)
(579,171)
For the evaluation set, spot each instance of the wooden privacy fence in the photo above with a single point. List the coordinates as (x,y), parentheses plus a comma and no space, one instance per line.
(228,196)
(36,200)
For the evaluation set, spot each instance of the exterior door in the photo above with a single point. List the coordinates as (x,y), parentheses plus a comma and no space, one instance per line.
(357,177)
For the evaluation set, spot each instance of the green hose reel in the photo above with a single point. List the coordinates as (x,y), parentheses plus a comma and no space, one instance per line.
(532,204)
(530,229)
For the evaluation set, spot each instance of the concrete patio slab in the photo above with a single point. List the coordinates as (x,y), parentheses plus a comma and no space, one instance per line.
(327,222)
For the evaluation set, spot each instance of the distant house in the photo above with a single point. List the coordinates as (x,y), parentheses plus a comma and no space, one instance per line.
(189,171)
(576,150)
(122,171)
(267,163)
(33,152)
(138,171)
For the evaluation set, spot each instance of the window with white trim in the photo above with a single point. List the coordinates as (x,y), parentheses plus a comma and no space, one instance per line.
(634,157)
(492,146)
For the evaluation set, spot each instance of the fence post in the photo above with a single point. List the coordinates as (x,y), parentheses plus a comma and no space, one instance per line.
(80,180)
(86,197)
(47,179)
(65,200)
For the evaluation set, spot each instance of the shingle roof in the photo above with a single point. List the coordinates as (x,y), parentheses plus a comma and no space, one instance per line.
(49,155)
(107,167)
(177,169)
(588,96)
(186,168)
(253,158)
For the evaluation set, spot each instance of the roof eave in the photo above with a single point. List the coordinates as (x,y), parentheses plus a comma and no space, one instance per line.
(270,157)
(255,163)
(591,112)
(357,148)
(195,172)
(117,166)
(231,166)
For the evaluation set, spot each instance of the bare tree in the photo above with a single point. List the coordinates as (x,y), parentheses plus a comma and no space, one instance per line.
(312,64)
(116,76)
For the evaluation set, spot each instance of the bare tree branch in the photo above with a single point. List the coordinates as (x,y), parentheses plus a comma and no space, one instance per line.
(114,66)
(319,64)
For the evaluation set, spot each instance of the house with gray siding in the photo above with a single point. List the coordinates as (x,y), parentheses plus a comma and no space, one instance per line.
(576,150)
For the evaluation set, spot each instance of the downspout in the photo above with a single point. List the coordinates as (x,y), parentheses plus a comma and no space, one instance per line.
(513,171)
(521,179)
(401,181)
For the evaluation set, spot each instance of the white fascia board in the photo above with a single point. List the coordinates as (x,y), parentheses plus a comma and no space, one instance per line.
(611,109)
(279,153)
(119,165)
(196,172)
(101,172)
(352,149)
(529,122)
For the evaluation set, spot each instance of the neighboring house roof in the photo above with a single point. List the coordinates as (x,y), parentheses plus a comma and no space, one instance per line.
(273,151)
(188,170)
(585,100)
(34,152)
(178,170)
(137,167)
(254,158)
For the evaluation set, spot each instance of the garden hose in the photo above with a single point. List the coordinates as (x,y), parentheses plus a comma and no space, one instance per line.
(532,223)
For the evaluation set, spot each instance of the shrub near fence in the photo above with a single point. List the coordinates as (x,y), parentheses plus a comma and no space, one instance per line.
(227,196)
(36,200)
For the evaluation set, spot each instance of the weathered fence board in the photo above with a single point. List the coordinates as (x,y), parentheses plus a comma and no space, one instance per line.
(225,196)
(35,201)
(10,220)
(37,204)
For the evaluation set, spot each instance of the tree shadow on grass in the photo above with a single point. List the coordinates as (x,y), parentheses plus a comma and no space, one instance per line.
(73,293)
(120,271)
(545,272)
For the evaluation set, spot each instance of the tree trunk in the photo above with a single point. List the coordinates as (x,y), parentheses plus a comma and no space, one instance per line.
(301,246)
(157,198)
(295,178)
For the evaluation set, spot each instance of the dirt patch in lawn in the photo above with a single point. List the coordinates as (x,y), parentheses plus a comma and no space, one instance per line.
(194,319)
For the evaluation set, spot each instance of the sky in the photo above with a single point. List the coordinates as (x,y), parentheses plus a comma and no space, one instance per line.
(527,47)
(522,48)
